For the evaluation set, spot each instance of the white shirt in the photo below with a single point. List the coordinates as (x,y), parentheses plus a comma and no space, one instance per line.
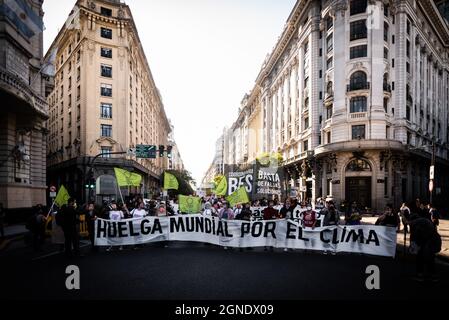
(237,212)
(139,213)
(116,215)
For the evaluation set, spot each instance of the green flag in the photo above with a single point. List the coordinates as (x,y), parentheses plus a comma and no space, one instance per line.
(221,185)
(189,204)
(126,178)
(170,181)
(238,196)
(62,197)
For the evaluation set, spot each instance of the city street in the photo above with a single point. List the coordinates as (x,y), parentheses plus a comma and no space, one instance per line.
(195,271)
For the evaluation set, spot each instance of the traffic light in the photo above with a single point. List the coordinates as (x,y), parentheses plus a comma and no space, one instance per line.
(169,149)
(90,181)
(161,150)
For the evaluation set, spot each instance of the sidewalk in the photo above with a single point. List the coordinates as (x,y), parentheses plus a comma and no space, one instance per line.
(12,233)
(443,230)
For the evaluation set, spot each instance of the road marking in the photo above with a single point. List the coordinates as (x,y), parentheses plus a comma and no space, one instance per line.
(55,253)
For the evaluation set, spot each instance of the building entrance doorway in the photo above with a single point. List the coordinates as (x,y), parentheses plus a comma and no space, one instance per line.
(358,189)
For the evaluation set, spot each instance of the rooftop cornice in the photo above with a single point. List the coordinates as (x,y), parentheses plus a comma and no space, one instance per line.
(435,20)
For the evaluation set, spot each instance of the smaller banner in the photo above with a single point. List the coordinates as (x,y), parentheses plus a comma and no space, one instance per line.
(170,182)
(221,185)
(189,204)
(239,196)
(126,178)
(62,197)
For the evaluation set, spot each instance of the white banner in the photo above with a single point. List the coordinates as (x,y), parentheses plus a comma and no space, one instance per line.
(374,240)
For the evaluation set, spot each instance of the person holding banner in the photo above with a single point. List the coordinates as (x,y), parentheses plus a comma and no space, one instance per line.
(309,218)
(139,212)
(286,211)
(115,214)
(270,213)
(226,214)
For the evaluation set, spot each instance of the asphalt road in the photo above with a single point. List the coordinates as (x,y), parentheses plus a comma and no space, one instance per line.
(194,271)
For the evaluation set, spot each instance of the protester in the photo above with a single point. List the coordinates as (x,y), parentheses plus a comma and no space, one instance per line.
(209,210)
(226,213)
(425,242)
(2,221)
(286,211)
(389,218)
(70,220)
(115,214)
(269,213)
(309,218)
(353,215)
(57,234)
(90,214)
(404,212)
(139,212)
(331,215)
(245,213)
(238,209)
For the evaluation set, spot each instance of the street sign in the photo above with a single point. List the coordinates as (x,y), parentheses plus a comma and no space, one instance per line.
(146,151)
(52,194)
(431,186)
(432,172)
(52,189)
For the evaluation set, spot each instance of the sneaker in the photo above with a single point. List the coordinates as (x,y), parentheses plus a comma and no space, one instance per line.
(333,253)
(285,249)
(325,252)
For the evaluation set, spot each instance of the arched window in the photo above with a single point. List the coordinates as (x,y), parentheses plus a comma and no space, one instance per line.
(358,104)
(358,81)
(358,165)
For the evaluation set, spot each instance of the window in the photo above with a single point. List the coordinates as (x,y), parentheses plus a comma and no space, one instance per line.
(306,104)
(407,67)
(70,83)
(106,12)
(392,39)
(105,152)
(329,89)
(78,56)
(386,187)
(392,63)
(409,138)
(387,132)
(306,82)
(106,90)
(385,53)
(106,110)
(106,33)
(408,49)
(358,104)
(106,52)
(106,71)
(78,92)
(358,81)
(330,42)
(386,28)
(78,74)
(329,22)
(306,145)
(329,140)
(408,27)
(386,7)
(358,30)
(330,63)
(78,36)
(106,130)
(358,51)
(358,6)
(358,132)
(306,123)
(329,111)
(386,105)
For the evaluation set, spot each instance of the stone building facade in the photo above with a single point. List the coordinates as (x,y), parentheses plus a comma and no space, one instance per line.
(23,108)
(103,99)
(355,96)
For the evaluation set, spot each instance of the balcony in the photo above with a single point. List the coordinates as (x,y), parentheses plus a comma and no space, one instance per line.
(357,86)
(358,116)
(17,87)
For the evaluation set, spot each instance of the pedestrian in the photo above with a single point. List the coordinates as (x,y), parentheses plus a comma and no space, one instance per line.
(57,234)
(404,212)
(331,218)
(434,216)
(238,210)
(90,214)
(2,221)
(70,220)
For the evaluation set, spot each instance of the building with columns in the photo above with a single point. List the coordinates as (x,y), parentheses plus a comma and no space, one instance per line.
(355,96)
(23,108)
(103,100)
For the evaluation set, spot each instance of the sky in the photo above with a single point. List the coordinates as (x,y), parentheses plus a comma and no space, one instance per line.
(204,56)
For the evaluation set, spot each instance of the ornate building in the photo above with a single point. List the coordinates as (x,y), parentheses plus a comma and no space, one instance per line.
(355,95)
(103,100)
(23,108)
